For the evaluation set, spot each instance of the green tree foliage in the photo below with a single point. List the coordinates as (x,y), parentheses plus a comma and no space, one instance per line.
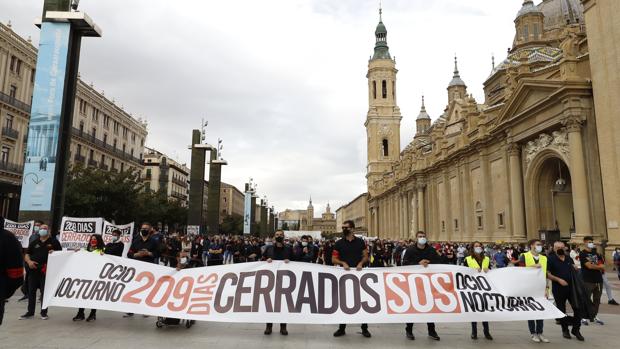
(232,224)
(118,197)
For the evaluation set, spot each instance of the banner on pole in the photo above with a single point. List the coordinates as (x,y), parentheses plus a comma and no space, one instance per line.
(247,213)
(307,293)
(126,234)
(75,232)
(22,231)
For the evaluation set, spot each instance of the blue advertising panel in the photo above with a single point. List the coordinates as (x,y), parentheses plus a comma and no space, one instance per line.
(44,129)
(247,213)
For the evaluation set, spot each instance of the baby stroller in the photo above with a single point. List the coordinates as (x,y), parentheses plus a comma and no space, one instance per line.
(168,321)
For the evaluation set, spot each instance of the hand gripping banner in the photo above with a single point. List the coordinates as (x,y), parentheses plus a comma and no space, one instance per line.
(296,292)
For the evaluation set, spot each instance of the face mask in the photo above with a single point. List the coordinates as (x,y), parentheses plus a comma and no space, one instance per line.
(422,241)
(144,232)
(115,238)
(478,250)
(184,260)
(591,245)
(36,228)
(304,244)
(43,232)
(346,231)
(279,239)
(93,243)
(268,243)
(560,252)
(538,249)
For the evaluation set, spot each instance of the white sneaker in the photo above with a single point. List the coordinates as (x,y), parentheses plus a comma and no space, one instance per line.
(543,339)
(584,322)
(598,321)
(535,338)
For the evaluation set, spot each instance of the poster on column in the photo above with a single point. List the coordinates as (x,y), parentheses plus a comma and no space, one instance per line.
(44,128)
(22,231)
(304,293)
(75,232)
(247,213)
(126,234)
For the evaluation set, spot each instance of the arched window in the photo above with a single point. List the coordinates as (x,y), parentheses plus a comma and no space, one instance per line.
(374,89)
(526,32)
(384,89)
(535,31)
(385,147)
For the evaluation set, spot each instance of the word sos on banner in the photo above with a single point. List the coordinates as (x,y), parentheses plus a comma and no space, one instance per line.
(297,292)
(22,231)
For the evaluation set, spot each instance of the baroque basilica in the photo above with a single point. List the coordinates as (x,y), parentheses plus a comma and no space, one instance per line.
(534,159)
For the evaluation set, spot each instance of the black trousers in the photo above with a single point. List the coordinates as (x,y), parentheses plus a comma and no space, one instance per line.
(561,296)
(474,327)
(36,281)
(429,325)
(2,303)
(343,326)
(92,311)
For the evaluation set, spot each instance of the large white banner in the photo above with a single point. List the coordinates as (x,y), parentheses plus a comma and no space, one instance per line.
(22,231)
(126,234)
(75,232)
(296,292)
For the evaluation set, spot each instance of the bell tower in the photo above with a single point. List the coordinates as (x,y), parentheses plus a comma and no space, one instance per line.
(383,119)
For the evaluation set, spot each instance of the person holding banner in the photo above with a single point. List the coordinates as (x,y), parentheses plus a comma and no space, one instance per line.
(279,252)
(11,266)
(33,237)
(36,258)
(421,253)
(95,245)
(350,251)
(116,246)
(477,260)
(534,259)
(143,249)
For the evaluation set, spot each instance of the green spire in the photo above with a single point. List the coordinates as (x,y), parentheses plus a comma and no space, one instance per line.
(381,48)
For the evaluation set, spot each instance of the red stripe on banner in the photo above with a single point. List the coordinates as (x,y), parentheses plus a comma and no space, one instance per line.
(15,273)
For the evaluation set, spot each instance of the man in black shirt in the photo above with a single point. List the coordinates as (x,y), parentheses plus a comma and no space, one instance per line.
(11,266)
(144,248)
(36,259)
(559,271)
(278,252)
(421,254)
(592,269)
(116,247)
(350,251)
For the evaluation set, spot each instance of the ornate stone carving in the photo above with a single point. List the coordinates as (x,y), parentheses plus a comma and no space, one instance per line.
(558,141)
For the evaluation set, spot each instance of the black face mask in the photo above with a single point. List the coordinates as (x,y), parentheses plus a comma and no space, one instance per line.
(144,232)
(560,252)
(280,239)
(346,231)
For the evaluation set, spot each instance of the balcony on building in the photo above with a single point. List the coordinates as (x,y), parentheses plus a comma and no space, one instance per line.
(14,102)
(79,158)
(92,163)
(10,133)
(10,167)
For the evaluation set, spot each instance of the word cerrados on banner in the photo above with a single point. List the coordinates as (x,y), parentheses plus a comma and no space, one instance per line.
(22,231)
(297,292)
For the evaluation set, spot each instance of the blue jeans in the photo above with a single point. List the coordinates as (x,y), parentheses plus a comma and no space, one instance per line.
(536,326)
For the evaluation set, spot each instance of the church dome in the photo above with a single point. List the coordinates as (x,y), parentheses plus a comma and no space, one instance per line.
(559,13)
(527,8)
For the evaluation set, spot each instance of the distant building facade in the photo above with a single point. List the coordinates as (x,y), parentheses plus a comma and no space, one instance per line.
(305,220)
(161,173)
(356,211)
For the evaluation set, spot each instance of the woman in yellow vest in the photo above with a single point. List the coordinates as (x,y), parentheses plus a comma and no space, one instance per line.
(535,259)
(95,245)
(477,260)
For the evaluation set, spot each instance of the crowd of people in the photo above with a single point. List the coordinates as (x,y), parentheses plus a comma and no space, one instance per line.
(576,273)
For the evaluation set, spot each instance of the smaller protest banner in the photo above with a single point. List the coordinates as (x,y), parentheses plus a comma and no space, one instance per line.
(75,232)
(22,231)
(126,234)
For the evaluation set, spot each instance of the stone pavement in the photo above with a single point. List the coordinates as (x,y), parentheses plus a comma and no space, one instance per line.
(112,331)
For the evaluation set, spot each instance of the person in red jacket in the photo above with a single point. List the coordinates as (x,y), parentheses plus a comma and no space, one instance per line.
(11,266)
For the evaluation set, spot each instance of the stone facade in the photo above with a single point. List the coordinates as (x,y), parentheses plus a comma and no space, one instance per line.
(305,220)
(523,163)
(103,134)
(163,173)
(357,211)
(232,201)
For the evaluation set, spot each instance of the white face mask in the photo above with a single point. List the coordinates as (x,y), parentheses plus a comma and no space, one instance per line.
(115,238)
(478,250)
(304,244)
(422,241)
(539,249)
(591,245)
(183,260)
(43,232)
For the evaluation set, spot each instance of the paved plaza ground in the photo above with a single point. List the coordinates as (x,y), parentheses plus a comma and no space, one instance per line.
(112,331)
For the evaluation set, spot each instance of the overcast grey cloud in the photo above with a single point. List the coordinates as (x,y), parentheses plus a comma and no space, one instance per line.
(282,82)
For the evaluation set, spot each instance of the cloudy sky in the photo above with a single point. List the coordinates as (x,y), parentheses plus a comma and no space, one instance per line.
(282,82)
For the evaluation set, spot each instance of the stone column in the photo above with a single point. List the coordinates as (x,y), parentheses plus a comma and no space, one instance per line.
(581,200)
(421,213)
(516,193)
(487,205)
(447,234)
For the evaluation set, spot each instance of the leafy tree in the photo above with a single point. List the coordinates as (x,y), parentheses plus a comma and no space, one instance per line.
(232,224)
